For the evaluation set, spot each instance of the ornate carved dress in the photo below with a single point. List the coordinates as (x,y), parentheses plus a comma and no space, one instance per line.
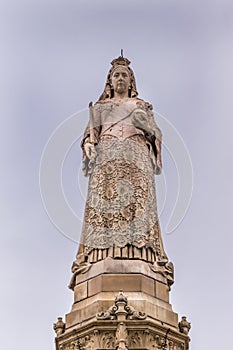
(121,219)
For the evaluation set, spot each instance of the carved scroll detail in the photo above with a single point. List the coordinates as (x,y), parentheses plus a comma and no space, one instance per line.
(121,311)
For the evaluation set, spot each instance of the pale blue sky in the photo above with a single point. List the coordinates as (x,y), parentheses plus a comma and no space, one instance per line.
(55,56)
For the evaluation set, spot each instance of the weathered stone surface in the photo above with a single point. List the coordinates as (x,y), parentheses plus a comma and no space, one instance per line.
(161,291)
(148,285)
(126,282)
(114,266)
(80,291)
(95,285)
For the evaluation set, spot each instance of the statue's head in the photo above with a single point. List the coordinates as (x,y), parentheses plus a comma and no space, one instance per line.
(120,64)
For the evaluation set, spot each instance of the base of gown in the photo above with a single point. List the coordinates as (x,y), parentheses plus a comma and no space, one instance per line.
(159,265)
(127,252)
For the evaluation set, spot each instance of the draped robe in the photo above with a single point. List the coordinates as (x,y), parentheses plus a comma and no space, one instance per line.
(121,219)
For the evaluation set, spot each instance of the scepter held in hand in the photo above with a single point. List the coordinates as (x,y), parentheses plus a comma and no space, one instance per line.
(91,116)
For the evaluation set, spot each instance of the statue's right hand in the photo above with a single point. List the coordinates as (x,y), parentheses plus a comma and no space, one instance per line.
(90,150)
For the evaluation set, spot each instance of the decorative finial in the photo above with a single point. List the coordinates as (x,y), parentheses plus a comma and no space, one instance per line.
(59,326)
(184,325)
(121,298)
(122,53)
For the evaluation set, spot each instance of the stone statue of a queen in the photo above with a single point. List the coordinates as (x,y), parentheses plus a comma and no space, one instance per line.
(121,155)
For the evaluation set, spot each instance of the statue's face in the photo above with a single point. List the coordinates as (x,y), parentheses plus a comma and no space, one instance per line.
(120,80)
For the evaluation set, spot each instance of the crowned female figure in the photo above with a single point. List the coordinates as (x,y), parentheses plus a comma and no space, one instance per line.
(121,155)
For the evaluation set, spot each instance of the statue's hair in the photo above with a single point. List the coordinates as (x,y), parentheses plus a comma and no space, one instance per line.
(108,89)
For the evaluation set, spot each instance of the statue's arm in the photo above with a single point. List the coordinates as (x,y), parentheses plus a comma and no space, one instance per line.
(155,138)
(90,140)
(143,119)
(94,129)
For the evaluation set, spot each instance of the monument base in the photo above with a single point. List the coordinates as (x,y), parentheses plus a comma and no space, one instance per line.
(121,304)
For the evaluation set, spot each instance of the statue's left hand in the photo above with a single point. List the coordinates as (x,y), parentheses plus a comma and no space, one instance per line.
(140,120)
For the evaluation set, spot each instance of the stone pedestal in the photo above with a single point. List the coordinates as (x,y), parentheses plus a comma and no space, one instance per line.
(121,304)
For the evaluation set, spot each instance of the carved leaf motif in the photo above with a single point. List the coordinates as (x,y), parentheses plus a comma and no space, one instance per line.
(135,339)
(121,333)
(155,342)
(107,340)
(90,342)
(80,342)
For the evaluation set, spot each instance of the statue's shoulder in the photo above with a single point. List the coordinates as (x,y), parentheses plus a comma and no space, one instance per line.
(102,102)
(102,106)
(144,104)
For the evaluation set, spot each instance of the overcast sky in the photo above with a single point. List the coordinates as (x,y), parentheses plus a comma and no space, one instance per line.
(55,56)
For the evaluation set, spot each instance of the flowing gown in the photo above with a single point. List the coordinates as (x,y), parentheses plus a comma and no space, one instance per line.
(121,219)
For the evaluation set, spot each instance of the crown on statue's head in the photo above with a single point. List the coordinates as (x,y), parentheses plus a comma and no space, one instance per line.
(120,61)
